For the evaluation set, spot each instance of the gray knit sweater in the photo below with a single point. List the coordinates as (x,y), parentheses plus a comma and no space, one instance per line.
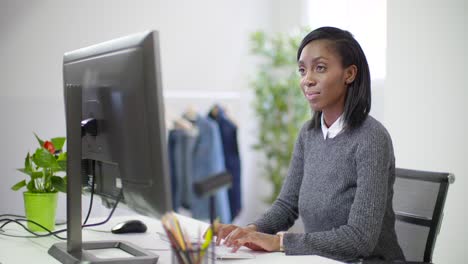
(342,188)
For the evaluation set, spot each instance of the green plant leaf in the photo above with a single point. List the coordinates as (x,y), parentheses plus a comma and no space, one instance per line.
(25,171)
(41,142)
(58,142)
(42,165)
(44,159)
(18,185)
(31,187)
(32,174)
(59,184)
(36,174)
(279,103)
(62,161)
(27,164)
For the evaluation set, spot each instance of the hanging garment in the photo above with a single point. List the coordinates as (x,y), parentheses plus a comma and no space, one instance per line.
(228,131)
(208,160)
(171,142)
(181,147)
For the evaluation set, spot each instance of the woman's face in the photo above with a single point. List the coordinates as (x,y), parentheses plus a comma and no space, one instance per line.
(323,78)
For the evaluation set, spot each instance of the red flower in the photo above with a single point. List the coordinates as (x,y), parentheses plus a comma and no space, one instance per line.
(49,146)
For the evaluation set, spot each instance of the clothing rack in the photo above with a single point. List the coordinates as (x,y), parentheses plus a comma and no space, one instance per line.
(176,102)
(180,103)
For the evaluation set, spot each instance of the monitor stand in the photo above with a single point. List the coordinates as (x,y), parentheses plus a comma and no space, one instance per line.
(74,250)
(85,255)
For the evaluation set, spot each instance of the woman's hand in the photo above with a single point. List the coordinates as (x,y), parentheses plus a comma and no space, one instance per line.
(254,240)
(222,231)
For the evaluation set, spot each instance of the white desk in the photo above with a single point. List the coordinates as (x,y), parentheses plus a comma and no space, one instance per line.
(34,250)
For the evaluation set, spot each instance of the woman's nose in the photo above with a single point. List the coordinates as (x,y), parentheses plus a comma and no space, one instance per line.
(309,79)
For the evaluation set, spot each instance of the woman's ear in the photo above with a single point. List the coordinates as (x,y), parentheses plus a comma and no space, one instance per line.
(350,74)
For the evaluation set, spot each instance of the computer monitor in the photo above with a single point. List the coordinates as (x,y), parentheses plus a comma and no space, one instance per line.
(115,118)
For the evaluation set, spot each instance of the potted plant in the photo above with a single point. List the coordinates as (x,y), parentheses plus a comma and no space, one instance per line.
(279,104)
(46,168)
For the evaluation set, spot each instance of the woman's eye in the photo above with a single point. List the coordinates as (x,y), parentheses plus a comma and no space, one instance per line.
(320,68)
(301,71)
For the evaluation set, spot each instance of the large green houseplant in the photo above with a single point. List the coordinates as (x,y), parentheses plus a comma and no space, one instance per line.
(279,103)
(46,169)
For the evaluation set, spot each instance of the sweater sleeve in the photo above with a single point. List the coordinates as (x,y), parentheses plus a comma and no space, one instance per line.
(284,211)
(359,236)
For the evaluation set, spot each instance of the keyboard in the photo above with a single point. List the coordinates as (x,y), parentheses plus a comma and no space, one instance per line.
(221,251)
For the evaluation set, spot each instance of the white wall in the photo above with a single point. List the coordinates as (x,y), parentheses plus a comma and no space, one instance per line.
(426,103)
(204,48)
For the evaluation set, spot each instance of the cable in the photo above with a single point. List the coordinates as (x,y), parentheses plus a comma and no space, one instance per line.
(50,233)
(93,169)
(12,215)
(55,233)
(111,213)
(89,208)
(17,221)
(100,231)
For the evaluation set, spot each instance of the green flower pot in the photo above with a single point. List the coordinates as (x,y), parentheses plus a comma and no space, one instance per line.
(40,208)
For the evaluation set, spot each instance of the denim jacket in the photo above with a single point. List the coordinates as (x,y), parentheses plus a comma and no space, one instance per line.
(228,131)
(195,157)
(181,147)
(208,159)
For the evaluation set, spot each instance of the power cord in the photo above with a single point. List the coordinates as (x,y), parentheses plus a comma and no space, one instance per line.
(17,221)
(54,233)
(119,198)
(93,183)
(49,232)
(12,215)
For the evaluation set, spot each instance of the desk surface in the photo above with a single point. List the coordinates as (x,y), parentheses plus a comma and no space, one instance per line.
(24,250)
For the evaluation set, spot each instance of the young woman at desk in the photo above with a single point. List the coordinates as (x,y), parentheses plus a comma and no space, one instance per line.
(340,180)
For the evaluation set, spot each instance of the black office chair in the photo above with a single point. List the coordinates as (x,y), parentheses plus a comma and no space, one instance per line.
(418,201)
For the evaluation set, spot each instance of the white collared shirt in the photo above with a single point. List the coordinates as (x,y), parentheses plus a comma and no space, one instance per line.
(334,129)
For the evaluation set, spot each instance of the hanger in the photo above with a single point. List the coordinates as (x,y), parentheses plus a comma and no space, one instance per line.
(214,111)
(190,113)
(181,123)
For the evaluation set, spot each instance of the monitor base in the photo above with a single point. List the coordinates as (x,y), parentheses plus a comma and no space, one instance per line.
(140,256)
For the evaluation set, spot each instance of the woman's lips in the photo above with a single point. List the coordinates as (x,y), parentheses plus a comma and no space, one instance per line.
(312,96)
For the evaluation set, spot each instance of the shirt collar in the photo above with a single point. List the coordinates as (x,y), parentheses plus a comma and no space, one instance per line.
(334,129)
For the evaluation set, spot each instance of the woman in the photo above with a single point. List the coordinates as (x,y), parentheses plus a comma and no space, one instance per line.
(342,170)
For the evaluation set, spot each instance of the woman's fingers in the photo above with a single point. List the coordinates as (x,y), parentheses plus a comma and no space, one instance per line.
(236,234)
(256,241)
(232,236)
(219,235)
(230,233)
(238,243)
(223,232)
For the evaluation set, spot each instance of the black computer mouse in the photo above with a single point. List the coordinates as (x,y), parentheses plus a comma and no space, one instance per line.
(130,226)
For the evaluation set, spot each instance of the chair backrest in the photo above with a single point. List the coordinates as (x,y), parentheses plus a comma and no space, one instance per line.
(418,202)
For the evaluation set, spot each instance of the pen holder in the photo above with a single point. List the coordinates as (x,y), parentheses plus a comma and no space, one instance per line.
(189,256)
